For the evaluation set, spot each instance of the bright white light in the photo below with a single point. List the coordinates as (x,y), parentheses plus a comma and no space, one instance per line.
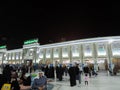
(110,41)
(56,55)
(66,61)
(75,54)
(4,55)
(31,53)
(38,51)
(20,57)
(89,61)
(65,55)
(100,61)
(17,57)
(5,62)
(13,56)
(31,49)
(9,56)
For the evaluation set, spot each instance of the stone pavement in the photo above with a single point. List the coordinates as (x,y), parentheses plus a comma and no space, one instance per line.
(101,82)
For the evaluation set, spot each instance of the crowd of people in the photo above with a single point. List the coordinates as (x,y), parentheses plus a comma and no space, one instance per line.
(16,75)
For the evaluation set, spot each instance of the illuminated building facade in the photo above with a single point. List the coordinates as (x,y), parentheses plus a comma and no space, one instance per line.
(104,51)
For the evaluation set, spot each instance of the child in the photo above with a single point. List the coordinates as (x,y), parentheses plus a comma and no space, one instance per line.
(86,79)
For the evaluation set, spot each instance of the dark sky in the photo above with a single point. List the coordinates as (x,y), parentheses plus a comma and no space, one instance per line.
(51,21)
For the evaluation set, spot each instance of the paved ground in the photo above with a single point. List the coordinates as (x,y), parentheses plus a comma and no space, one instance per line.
(101,82)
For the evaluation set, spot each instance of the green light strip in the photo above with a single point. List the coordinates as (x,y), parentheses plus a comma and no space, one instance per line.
(3,47)
(31,41)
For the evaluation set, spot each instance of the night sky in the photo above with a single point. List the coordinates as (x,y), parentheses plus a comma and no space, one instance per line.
(53,22)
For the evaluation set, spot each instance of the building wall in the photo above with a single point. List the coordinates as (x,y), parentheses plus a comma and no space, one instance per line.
(82,51)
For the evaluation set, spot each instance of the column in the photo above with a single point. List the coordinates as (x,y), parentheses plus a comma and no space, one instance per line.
(44,55)
(70,54)
(52,55)
(109,54)
(95,56)
(81,53)
(60,54)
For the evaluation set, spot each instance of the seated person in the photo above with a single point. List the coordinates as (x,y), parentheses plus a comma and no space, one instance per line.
(14,82)
(25,80)
(3,80)
(22,78)
(40,83)
(22,87)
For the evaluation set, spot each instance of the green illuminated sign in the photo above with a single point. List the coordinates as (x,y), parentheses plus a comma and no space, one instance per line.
(31,41)
(3,47)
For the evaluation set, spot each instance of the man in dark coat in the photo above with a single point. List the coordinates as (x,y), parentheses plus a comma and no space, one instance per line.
(72,74)
(86,69)
(77,71)
(59,72)
(51,71)
(7,73)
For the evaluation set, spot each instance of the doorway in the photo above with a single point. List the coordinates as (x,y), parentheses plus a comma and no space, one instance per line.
(102,64)
(116,63)
(89,63)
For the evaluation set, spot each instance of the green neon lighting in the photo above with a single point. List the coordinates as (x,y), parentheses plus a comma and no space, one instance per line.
(30,41)
(3,47)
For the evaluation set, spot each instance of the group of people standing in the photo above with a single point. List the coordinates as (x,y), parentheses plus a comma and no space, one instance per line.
(73,71)
(60,70)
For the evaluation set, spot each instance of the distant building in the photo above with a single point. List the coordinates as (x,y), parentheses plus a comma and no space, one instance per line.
(103,51)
